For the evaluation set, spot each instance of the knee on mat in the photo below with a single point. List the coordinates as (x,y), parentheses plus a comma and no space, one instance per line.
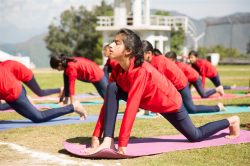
(194,139)
(191,111)
(37,120)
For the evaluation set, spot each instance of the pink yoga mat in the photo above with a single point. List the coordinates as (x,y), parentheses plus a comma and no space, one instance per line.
(217,97)
(156,145)
(37,107)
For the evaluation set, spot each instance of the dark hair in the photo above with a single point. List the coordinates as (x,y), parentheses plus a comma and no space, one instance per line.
(63,58)
(193,53)
(133,42)
(147,46)
(107,45)
(171,55)
(157,52)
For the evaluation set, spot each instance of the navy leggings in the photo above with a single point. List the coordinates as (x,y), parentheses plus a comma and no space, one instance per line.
(180,119)
(107,69)
(32,84)
(100,86)
(23,106)
(189,104)
(216,81)
(199,87)
(4,106)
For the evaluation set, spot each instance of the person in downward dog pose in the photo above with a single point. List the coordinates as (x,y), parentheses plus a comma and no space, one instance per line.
(140,84)
(12,91)
(24,74)
(78,68)
(110,64)
(178,78)
(192,76)
(206,69)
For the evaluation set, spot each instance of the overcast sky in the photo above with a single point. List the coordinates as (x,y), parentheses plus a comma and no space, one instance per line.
(28,14)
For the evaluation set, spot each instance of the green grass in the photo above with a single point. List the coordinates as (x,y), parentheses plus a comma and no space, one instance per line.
(49,139)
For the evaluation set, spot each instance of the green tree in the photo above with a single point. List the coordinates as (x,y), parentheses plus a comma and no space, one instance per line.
(177,37)
(76,35)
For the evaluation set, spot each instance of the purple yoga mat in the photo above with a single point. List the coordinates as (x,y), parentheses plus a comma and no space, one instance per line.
(156,145)
(37,107)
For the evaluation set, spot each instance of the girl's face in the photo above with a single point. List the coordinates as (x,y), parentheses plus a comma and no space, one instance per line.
(193,59)
(117,49)
(148,56)
(60,67)
(106,52)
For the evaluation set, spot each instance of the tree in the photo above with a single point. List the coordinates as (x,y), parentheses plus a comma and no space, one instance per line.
(76,35)
(177,37)
(248,46)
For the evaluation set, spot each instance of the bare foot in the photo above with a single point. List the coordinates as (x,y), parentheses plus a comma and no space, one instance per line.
(234,127)
(220,90)
(233,87)
(193,90)
(141,112)
(158,115)
(108,142)
(78,108)
(221,106)
(31,101)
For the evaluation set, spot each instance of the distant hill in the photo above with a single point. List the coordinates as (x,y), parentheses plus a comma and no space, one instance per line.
(39,54)
(36,48)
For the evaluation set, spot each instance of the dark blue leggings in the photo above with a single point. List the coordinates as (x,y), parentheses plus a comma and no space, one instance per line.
(216,81)
(199,87)
(23,106)
(4,106)
(32,84)
(180,119)
(107,69)
(100,86)
(189,104)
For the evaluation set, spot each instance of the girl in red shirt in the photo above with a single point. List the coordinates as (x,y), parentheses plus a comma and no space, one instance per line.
(110,64)
(178,78)
(78,68)
(206,69)
(140,84)
(192,76)
(12,91)
(24,74)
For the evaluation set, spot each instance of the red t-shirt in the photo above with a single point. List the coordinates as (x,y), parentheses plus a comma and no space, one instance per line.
(20,71)
(191,74)
(111,62)
(10,87)
(170,70)
(83,69)
(146,88)
(205,69)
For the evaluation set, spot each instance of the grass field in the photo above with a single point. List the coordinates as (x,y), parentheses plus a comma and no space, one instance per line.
(47,140)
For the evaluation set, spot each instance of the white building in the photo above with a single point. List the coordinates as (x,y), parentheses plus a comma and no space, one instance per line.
(135,15)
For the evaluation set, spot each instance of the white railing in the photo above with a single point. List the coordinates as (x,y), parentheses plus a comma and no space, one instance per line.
(171,21)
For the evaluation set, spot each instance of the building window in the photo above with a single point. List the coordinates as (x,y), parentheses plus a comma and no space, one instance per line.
(165,47)
(157,44)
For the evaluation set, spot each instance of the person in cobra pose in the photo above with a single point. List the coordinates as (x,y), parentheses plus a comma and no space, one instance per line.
(24,74)
(140,84)
(14,93)
(78,68)
(178,78)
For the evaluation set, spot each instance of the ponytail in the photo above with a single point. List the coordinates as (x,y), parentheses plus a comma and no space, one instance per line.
(157,52)
(63,58)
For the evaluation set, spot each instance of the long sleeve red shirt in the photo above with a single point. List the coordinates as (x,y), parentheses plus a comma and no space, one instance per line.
(21,72)
(205,69)
(146,88)
(191,74)
(10,87)
(111,62)
(82,69)
(170,70)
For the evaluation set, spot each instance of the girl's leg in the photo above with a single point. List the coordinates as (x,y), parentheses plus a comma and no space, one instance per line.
(4,106)
(23,106)
(101,86)
(198,86)
(216,82)
(182,122)
(113,95)
(32,84)
(107,70)
(189,104)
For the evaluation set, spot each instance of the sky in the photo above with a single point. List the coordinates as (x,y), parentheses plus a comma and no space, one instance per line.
(38,14)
